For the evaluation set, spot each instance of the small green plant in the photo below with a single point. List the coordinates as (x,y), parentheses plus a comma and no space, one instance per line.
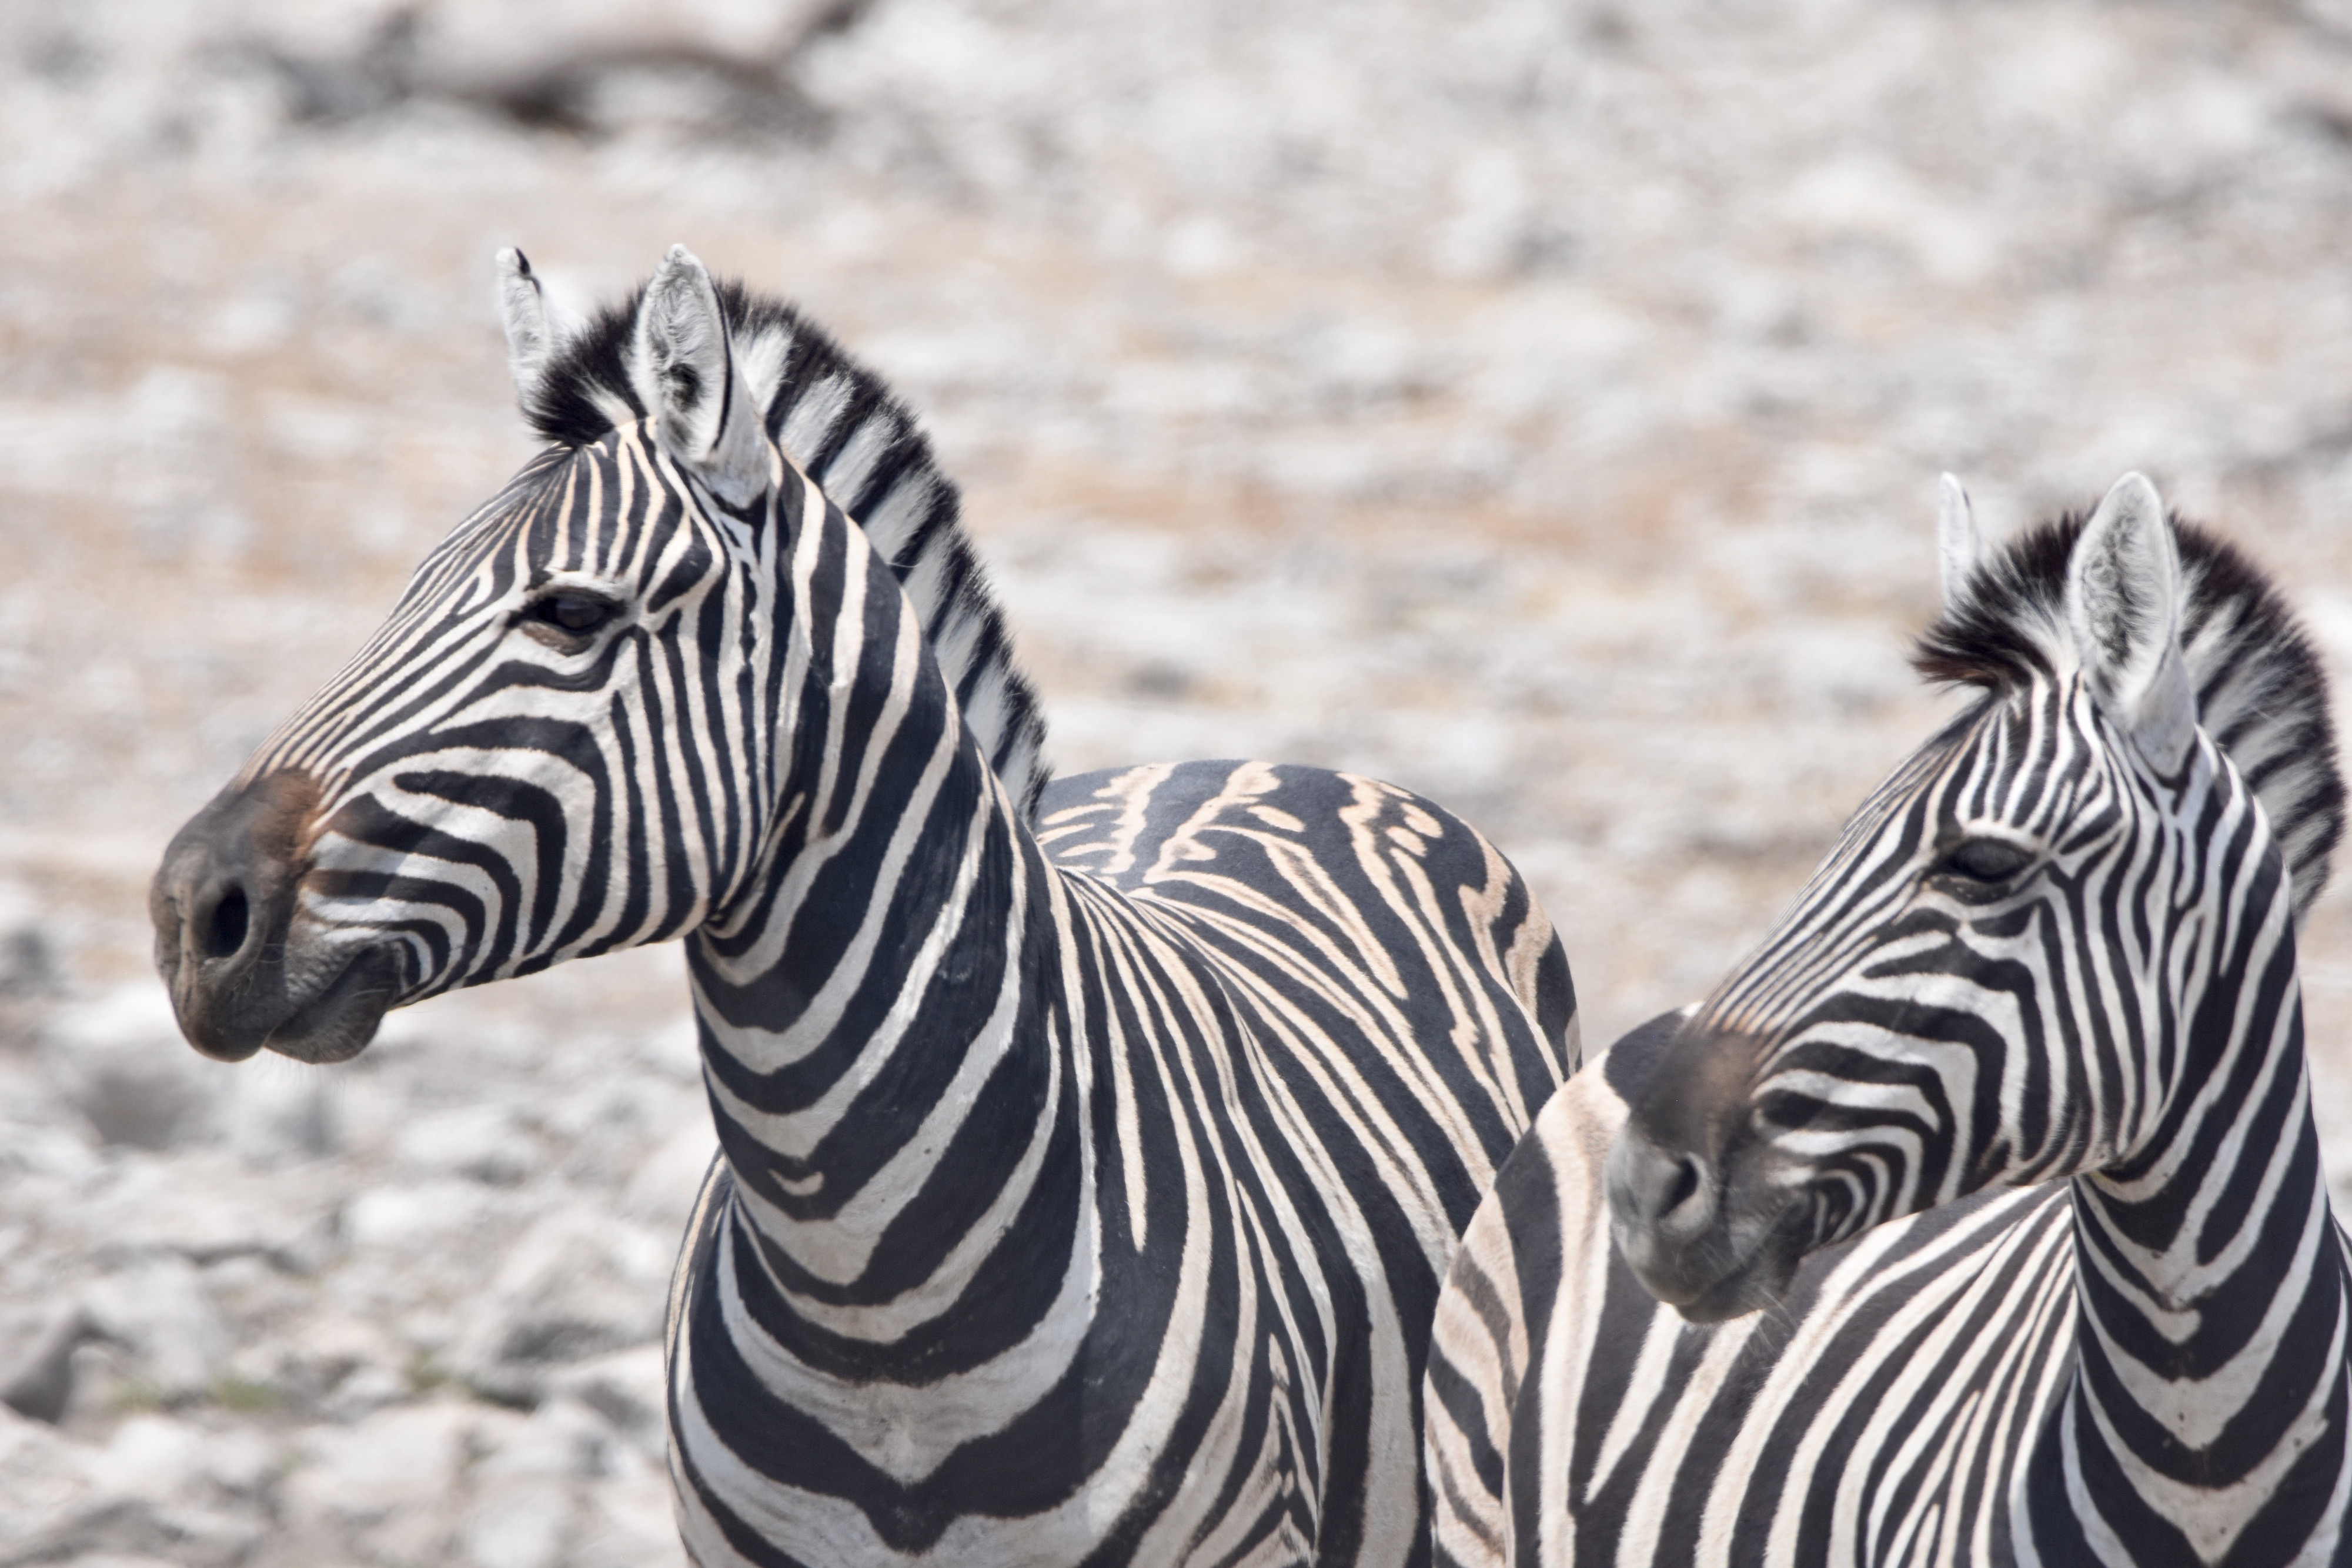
(132,1397)
(425,1374)
(245,1396)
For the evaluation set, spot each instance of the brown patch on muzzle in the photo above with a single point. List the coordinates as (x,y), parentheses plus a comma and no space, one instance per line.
(223,903)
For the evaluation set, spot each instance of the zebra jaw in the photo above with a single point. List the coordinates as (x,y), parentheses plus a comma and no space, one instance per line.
(240,974)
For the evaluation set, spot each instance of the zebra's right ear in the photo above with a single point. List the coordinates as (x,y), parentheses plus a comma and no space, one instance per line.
(536,326)
(704,417)
(2123,602)
(1957,544)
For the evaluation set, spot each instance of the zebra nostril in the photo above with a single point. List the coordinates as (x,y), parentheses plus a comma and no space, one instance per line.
(1663,1201)
(224,930)
(1684,1187)
(1685,1193)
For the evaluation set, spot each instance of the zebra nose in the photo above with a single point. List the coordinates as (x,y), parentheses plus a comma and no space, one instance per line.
(1669,1193)
(220,902)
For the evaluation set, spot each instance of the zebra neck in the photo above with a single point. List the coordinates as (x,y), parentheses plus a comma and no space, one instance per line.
(2209,1391)
(874,1034)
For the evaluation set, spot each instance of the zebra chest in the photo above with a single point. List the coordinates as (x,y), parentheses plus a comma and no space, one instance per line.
(1179,1419)
(1142,1340)
(1895,1410)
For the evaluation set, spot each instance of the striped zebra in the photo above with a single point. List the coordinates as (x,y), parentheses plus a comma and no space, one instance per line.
(1985,1193)
(1091,1153)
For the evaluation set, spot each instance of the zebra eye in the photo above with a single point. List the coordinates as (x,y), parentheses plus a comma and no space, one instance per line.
(1985,859)
(571,613)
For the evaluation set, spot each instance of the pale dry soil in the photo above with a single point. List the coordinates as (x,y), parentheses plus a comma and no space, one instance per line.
(1537,406)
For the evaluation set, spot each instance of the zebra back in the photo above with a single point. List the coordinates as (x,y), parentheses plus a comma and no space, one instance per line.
(841,423)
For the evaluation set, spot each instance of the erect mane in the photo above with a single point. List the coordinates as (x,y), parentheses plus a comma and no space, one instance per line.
(849,433)
(2261,692)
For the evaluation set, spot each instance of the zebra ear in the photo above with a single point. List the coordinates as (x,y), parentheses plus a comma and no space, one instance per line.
(1957,544)
(536,326)
(2123,601)
(686,375)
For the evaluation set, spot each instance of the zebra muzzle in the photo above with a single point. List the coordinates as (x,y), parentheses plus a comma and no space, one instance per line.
(1694,1241)
(1664,1206)
(1698,1206)
(241,976)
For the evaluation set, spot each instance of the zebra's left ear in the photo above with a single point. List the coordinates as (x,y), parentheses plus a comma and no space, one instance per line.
(1956,545)
(536,326)
(703,416)
(2123,601)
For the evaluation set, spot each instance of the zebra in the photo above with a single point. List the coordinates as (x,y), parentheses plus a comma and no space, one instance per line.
(1978,1217)
(1091,1152)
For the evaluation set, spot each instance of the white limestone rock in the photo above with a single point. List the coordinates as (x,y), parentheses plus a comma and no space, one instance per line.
(331,1360)
(629,1389)
(29,961)
(529,1490)
(384,1490)
(36,1347)
(42,1475)
(579,1284)
(114,1524)
(663,1187)
(208,1204)
(277,1112)
(121,1061)
(488,1143)
(153,1456)
(158,1311)
(422,1218)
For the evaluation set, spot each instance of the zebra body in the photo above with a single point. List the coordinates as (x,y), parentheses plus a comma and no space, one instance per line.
(1986,1193)
(1238,1093)
(1090,1154)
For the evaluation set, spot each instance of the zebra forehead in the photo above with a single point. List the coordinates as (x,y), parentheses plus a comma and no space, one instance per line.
(2261,694)
(567,492)
(1928,768)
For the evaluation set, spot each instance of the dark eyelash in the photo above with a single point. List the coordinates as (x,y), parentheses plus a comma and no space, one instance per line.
(1985,861)
(572,612)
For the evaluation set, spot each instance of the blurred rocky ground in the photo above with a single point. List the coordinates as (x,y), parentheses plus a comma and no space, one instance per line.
(1535,401)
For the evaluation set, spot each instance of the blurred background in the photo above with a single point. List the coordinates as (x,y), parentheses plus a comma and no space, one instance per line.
(1534,401)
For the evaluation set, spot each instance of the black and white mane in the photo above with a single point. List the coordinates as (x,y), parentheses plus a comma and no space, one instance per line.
(842,424)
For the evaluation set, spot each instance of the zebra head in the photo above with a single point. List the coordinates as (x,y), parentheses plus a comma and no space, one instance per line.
(2010,963)
(466,801)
